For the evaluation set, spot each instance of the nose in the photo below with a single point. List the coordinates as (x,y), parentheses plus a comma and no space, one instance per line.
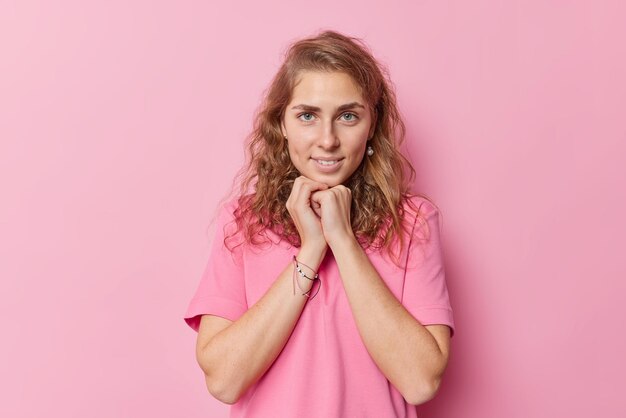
(328,139)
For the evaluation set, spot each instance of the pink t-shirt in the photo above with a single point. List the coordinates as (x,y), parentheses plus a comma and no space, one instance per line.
(324,369)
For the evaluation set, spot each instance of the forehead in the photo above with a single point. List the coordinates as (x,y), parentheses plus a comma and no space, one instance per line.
(322,86)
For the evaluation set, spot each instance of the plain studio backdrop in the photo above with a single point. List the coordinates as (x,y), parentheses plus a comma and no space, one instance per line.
(122,124)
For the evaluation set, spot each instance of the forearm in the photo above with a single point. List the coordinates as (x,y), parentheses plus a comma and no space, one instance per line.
(404,350)
(240,354)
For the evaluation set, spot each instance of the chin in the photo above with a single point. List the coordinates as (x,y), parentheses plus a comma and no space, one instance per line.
(329,181)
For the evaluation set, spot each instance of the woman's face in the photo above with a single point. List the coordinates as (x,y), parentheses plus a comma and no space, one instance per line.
(327,124)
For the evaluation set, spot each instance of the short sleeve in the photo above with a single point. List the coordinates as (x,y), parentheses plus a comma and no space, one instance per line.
(425,292)
(221,290)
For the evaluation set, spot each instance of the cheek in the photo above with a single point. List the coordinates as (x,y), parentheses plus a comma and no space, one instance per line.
(301,142)
(354,133)
(358,142)
(305,136)
(299,132)
(296,150)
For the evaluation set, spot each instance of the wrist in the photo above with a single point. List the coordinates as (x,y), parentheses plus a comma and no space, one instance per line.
(306,266)
(343,242)
(312,255)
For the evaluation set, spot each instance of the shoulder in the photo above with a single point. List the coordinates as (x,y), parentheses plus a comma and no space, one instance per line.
(422,215)
(416,206)
(231,205)
(224,211)
(228,208)
(224,218)
(235,215)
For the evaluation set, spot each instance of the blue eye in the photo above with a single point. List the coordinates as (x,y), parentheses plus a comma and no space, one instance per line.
(308,117)
(353,117)
(302,114)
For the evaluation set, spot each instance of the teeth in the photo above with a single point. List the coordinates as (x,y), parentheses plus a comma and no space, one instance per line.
(326,162)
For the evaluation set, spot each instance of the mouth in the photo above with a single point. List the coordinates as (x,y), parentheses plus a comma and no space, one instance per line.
(326,162)
(328,166)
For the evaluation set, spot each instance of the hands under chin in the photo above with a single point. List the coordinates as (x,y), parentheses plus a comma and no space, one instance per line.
(320,213)
(332,206)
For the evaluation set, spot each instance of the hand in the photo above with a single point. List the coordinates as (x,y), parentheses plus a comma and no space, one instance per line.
(333,206)
(299,206)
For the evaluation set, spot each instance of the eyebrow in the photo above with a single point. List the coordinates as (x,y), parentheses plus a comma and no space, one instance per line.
(339,109)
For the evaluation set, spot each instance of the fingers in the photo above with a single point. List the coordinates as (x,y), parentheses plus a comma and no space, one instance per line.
(339,192)
(303,212)
(317,208)
(334,202)
(335,206)
(303,188)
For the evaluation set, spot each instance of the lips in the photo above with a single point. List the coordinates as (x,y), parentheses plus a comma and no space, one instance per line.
(328,165)
(327,158)
(327,162)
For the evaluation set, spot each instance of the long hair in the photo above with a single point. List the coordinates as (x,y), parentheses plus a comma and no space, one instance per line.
(379,186)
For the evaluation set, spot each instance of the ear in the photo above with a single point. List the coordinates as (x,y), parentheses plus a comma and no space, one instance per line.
(282,128)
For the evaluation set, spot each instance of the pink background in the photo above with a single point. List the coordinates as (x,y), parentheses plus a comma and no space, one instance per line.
(121,126)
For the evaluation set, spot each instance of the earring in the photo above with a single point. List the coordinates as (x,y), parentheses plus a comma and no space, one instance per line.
(370,151)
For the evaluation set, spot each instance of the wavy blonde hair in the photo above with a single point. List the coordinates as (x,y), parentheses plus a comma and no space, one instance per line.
(380,185)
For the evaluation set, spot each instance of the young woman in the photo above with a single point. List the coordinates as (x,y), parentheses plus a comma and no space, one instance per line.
(325,294)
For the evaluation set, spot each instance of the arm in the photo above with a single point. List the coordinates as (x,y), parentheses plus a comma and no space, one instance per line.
(420,354)
(412,357)
(236,356)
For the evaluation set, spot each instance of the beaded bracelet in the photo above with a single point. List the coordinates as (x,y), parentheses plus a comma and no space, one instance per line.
(299,270)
